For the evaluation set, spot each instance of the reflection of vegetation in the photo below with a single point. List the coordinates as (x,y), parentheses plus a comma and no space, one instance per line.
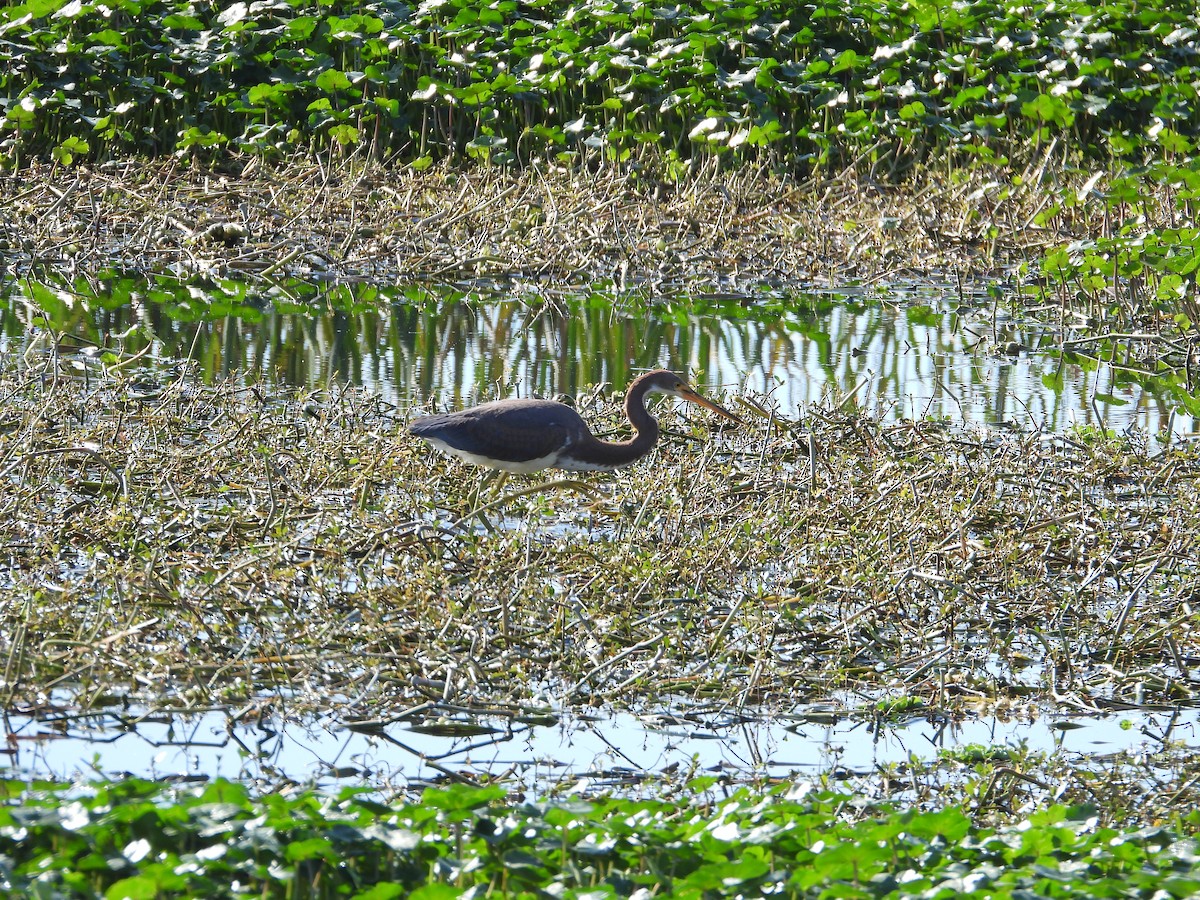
(462,345)
(430,339)
(1174,383)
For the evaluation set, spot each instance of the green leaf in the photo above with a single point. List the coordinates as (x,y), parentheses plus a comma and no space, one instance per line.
(332,80)
(461,797)
(968,95)
(435,892)
(1055,381)
(344,134)
(136,888)
(312,848)
(1170,287)
(390,890)
(64,153)
(848,60)
(300,29)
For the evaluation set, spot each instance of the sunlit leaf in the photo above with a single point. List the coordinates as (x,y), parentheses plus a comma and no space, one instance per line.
(136,888)
(332,80)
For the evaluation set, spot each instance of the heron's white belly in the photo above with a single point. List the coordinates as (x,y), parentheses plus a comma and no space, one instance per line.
(575,465)
(520,468)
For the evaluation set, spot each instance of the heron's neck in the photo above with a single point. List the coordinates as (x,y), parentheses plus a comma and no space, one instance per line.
(599,454)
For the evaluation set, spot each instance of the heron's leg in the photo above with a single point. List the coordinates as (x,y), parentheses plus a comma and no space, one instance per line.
(560,484)
(487,478)
(570,484)
(493,479)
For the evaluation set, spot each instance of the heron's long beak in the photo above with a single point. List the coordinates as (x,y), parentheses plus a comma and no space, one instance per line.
(688,394)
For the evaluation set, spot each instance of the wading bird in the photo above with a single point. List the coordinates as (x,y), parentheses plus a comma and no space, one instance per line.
(530,435)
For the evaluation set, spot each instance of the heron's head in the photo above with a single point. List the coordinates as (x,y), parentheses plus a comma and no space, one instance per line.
(664,382)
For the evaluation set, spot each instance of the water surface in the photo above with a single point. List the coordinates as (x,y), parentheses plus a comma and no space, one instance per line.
(611,751)
(910,350)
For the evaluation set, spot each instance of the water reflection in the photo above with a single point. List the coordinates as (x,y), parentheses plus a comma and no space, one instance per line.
(613,752)
(920,350)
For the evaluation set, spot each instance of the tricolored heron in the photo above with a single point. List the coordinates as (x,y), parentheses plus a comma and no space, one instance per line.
(530,435)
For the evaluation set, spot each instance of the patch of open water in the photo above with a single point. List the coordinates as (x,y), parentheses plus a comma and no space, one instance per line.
(911,350)
(612,751)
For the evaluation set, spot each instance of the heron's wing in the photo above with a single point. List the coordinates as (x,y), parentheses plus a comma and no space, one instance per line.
(507,430)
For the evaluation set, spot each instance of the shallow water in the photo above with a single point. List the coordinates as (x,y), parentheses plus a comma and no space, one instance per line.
(911,350)
(607,752)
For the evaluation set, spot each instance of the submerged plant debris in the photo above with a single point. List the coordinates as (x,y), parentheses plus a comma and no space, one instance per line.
(178,546)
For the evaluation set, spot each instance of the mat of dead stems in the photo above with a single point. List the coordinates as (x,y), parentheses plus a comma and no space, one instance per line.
(175,546)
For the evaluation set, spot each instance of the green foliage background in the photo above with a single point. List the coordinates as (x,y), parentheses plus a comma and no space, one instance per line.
(140,839)
(827,83)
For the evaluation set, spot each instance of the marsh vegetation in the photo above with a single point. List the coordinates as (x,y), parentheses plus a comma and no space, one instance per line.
(181,540)
(179,548)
